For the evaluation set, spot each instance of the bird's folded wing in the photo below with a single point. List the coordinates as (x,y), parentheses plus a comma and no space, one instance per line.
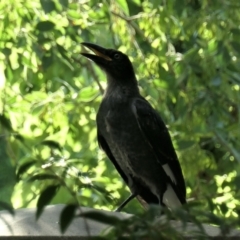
(104,146)
(157,136)
(145,197)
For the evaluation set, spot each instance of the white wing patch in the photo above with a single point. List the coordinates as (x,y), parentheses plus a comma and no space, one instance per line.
(169,172)
(170,198)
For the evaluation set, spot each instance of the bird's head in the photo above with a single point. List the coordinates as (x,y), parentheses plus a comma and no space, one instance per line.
(116,64)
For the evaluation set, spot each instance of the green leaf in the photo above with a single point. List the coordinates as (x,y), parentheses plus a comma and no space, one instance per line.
(7,51)
(52,144)
(134,8)
(19,137)
(185,144)
(45,26)
(216,81)
(67,215)
(123,5)
(87,94)
(223,207)
(45,198)
(6,206)
(42,176)
(236,46)
(24,167)
(5,122)
(236,181)
(63,52)
(235,31)
(48,5)
(47,60)
(74,14)
(64,3)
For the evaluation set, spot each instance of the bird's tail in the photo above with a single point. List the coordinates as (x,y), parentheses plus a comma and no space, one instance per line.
(170,198)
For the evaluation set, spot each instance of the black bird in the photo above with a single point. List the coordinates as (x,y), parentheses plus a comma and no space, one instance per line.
(134,136)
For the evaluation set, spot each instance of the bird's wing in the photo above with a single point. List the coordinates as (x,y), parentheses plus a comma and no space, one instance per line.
(146,197)
(104,146)
(158,137)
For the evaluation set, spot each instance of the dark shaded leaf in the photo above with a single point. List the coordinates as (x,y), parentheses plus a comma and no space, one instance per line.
(41,40)
(63,52)
(185,144)
(224,208)
(236,181)
(235,31)
(67,215)
(45,26)
(7,206)
(64,3)
(23,168)
(47,60)
(236,46)
(19,137)
(45,198)
(51,144)
(6,51)
(101,217)
(216,81)
(133,7)
(214,219)
(5,122)
(48,5)
(43,176)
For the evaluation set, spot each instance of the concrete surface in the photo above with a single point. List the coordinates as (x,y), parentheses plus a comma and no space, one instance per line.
(24,226)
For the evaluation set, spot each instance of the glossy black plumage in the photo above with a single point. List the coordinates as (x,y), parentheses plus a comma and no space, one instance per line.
(134,136)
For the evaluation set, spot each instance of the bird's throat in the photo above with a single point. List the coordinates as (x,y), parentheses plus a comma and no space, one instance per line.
(121,90)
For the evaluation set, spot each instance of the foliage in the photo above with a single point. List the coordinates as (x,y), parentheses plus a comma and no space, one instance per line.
(186,57)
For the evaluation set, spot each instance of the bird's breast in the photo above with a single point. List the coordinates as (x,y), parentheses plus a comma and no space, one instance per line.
(123,135)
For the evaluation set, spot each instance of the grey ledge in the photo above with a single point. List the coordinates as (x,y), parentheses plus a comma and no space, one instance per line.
(23,225)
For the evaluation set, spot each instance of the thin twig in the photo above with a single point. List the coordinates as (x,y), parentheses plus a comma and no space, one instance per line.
(134,17)
(136,28)
(89,66)
(133,25)
(227,146)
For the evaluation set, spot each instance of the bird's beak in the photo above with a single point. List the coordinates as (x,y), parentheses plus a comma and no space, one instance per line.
(100,53)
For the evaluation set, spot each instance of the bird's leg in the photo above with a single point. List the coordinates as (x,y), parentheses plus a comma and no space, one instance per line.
(133,195)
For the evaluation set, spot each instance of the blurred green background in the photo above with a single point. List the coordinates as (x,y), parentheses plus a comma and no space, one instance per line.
(187,61)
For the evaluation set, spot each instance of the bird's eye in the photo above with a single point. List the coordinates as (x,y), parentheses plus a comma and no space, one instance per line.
(116,56)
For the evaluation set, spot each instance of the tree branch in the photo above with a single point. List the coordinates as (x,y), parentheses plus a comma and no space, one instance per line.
(90,68)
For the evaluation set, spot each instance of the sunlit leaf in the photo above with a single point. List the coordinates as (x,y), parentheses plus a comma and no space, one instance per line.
(88,94)
(123,5)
